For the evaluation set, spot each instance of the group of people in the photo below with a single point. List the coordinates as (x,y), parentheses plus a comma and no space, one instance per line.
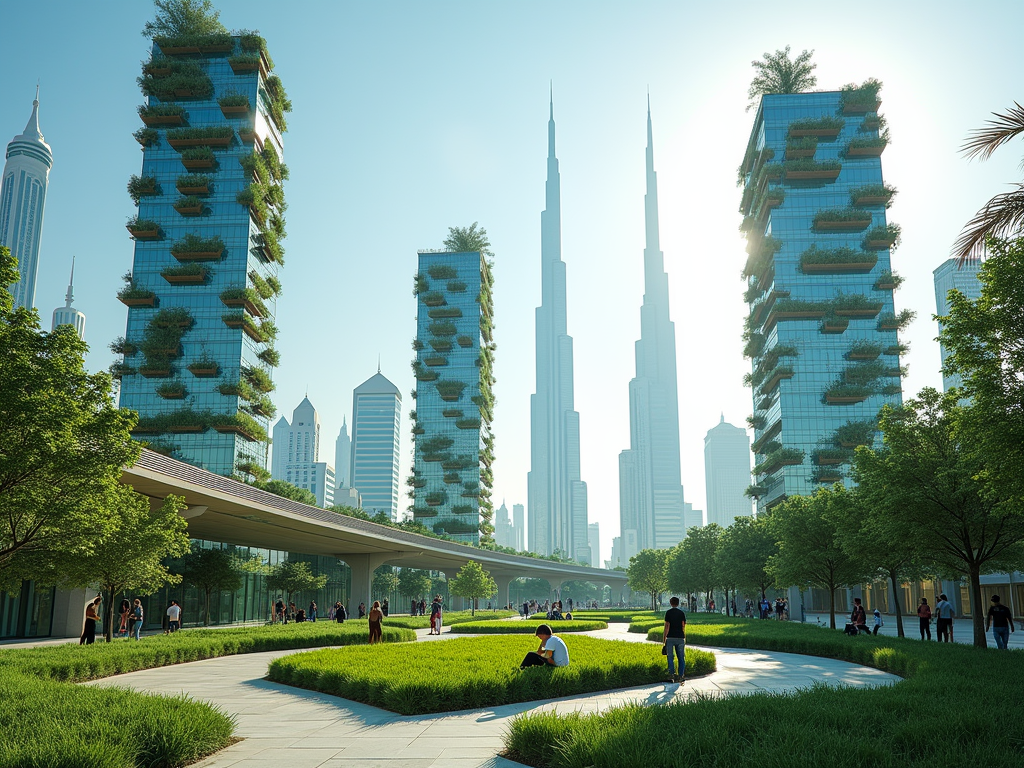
(552,611)
(132,618)
(999,619)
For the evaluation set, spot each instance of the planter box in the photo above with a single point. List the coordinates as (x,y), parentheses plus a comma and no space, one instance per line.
(866,312)
(197,164)
(451,398)
(774,382)
(437,503)
(203,190)
(774,317)
(144,234)
(149,301)
(843,226)
(845,399)
(796,154)
(204,373)
(821,133)
(242,67)
(885,286)
(862,356)
(886,243)
(829,462)
(219,48)
(424,513)
(228,429)
(245,304)
(829,478)
(184,93)
(888,327)
(255,216)
(179,50)
(185,279)
(835,329)
(197,255)
(861,108)
(174,395)
(844,267)
(163,120)
(798,175)
(250,137)
(865,151)
(155,373)
(157,71)
(192,210)
(219,141)
(871,200)
(241,111)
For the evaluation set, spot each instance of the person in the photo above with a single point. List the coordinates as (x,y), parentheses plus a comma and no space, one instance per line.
(300,616)
(126,608)
(423,607)
(92,614)
(859,617)
(279,611)
(412,608)
(526,609)
(376,616)
(551,652)
(362,610)
(878,622)
(435,616)
(292,613)
(138,615)
(173,617)
(1001,620)
(674,639)
(924,613)
(340,614)
(311,615)
(944,620)
(384,606)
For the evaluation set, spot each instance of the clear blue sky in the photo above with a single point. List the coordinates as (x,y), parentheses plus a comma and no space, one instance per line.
(411,117)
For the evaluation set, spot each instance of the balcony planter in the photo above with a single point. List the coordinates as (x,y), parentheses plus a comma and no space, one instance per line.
(465,341)
(779,375)
(847,395)
(243,303)
(468,423)
(845,399)
(797,153)
(155,371)
(850,225)
(835,325)
(241,65)
(186,278)
(199,185)
(830,175)
(138,301)
(189,207)
(213,141)
(239,321)
(172,391)
(859,311)
(834,268)
(860,107)
(217,48)
(880,238)
(198,163)
(154,120)
(248,136)
(204,370)
(143,230)
(875,151)
(197,158)
(186,256)
(823,128)
(186,428)
(235,429)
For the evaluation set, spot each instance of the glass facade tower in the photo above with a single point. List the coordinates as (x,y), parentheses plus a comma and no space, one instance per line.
(452,478)
(950,276)
(376,430)
(201,296)
(822,328)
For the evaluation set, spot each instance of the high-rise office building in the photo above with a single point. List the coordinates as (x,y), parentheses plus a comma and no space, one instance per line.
(376,429)
(650,487)
(201,296)
(692,518)
(69,315)
(727,473)
(503,536)
(343,456)
(22,201)
(452,478)
(949,276)
(518,527)
(594,539)
(296,454)
(822,329)
(557,495)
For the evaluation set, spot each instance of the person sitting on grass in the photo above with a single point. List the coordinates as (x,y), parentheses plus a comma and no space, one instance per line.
(552,651)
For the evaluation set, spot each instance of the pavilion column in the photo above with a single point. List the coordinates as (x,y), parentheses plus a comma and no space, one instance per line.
(363,566)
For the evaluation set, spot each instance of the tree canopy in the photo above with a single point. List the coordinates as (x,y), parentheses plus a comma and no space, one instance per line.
(744,550)
(209,571)
(413,582)
(463,239)
(691,566)
(385,581)
(777,73)
(294,576)
(647,573)
(473,582)
(176,18)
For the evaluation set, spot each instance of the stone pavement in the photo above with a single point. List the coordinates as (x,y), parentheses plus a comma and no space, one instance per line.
(963,629)
(304,729)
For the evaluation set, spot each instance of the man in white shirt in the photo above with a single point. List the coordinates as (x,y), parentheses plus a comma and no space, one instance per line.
(173,617)
(552,651)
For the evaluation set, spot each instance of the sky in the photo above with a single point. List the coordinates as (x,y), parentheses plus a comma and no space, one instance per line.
(413,117)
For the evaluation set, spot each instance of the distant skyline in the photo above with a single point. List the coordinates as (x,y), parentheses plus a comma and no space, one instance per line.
(391,181)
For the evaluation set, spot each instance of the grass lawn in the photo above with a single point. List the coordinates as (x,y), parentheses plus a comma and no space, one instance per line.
(47,721)
(956,707)
(423,622)
(623,616)
(475,672)
(525,626)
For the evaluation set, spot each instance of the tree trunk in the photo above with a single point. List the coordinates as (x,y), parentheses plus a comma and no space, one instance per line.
(977,619)
(206,617)
(472,606)
(108,614)
(896,605)
(832,607)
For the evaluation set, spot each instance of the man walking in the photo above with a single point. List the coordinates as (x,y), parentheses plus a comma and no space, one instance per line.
(173,617)
(674,639)
(1001,620)
(944,620)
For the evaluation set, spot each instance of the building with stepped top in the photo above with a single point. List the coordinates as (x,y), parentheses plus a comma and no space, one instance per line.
(727,473)
(69,315)
(296,454)
(376,430)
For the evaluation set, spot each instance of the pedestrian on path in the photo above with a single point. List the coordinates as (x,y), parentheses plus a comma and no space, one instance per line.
(674,640)
(311,616)
(944,620)
(924,613)
(173,617)
(340,614)
(878,622)
(126,609)
(435,616)
(376,616)
(138,615)
(1001,620)
(92,613)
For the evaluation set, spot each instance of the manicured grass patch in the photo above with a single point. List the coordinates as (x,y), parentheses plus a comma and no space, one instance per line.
(957,693)
(616,616)
(474,672)
(528,626)
(644,624)
(423,622)
(48,721)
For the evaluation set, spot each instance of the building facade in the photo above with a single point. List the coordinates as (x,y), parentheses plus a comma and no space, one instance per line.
(949,276)
(376,430)
(199,346)
(594,540)
(503,535)
(822,331)
(22,202)
(557,494)
(453,444)
(343,456)
(518,528)
(727,473)
(69,315)
(296,454)
(650,485)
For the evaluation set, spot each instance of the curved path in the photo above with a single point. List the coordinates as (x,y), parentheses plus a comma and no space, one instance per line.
(281,725)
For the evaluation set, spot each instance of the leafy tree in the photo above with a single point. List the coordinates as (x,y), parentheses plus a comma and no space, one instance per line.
(385,581)
(474,582)
(744,551)
(412,582)
(184,17)
(294,576)
(132,555)
(63,444)
(287,490)
(209,571)
(463,239)
(810,553)
(691,565)
(1003,215)
(647,573)
(932,480)
(777,73)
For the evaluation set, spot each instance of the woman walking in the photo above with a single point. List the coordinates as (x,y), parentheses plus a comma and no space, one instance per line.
(376,616)
(126,608)
(138,615)
(924,613)
(92,613)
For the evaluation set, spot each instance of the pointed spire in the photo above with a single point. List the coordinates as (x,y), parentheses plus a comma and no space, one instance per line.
(651,199)
(551,124)
(70,297)
(32,126)
(378,362)
(722,421)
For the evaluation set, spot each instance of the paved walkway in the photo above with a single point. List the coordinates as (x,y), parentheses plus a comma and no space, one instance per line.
(305,729)
(963,629)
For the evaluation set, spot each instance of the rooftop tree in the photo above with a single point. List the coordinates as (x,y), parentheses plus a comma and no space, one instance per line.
(183,17)
(777,73)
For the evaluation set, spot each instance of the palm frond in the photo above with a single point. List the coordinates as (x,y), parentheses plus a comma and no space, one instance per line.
(1002,216)
(982,142)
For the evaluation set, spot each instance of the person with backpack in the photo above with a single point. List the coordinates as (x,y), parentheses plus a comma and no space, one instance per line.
(924,613)
(137,616)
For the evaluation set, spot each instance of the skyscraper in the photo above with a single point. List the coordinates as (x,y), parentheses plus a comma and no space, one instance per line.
(453,444)
(201,296)
(22,201)
(518,528)
(650,488)
(69,315)
(296,454)
(948,276)
(822,328)
(503,536)
(376,423)
(594,539)
(343,457)
(726,473)
(557,495)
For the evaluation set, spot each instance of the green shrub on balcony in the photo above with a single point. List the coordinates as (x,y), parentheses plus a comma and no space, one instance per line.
(433,298)
(761,255)
(442,272)
(436,444)
(873,194)
(899,322)
(435,360)
(121,346)
(198,156)
(754,344)
(826,456)
(252,42)
(172,317)
(172,390)
(270,356)
(863,374)
(864,350)
(194,184)
(187,270)
(828,474)
(855,217)
(120,370)
(821,257)
(142,228)
(258,378)
(436,498)
(465,341)
(780,457)
(240,388)
(147,137)
(452,413)
(261,406)
(441,345)
(270,248)
(158,66)
(755,491)
(752,293)
(895,350)
(802,143)
(770,447)
(882,237)
(202,42)
(811,166)
(859,144)
(247,297)
(891,389)
(216,134)
(192,243)
(234,100)
(456,286)
(775,376)
(888,281)
(443,328)
(417,345)
(854,302)
(860,98)
(757,421)
(422,374)
(189,81)
(826,123)
(142,186)
(468,423)
(450,390)
(773,355)
(279,102)
(444,312)
(420,285)
(263,287)
(854,433)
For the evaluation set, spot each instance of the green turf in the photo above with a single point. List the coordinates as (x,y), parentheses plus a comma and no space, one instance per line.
(525,626)
(615,616)
(468,673)
(958,706)
(448,619)
(48,722)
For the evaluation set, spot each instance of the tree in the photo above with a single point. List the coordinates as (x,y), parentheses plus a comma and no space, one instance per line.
(744,551)
(293,576)
(691,565)
(809,553)
(413,583)
(1003,215)
(465,239)
(646,573)
(132,554)
(385,581)
(183,17)
(209,571)
(931,477)
(287,490)
(63,444)
(474,582)
(778,74)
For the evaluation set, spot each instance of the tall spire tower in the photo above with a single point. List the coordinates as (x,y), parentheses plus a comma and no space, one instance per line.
(69,315)
(650,488)
(557,513)
(22,200)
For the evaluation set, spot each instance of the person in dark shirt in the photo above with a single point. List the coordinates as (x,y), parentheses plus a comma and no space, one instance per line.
(1001,620)
(674,639)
